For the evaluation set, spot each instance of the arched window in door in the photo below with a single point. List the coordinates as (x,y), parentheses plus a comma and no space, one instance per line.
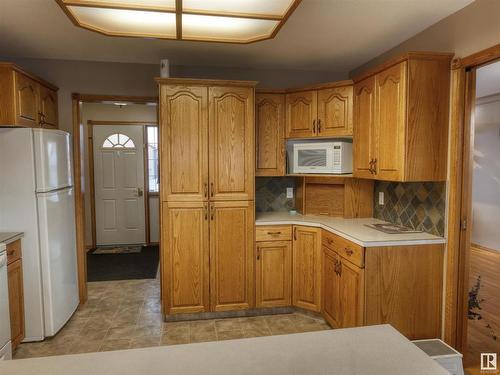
(118,140)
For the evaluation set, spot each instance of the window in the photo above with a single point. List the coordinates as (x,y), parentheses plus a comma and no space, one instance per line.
(118,141)
(152,155)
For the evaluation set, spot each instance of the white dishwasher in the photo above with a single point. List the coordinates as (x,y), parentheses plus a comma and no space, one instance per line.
(5,346)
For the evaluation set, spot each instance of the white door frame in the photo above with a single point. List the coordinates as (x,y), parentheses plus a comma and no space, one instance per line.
(90,161)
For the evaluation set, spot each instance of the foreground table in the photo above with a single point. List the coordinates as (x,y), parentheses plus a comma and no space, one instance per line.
(374,350)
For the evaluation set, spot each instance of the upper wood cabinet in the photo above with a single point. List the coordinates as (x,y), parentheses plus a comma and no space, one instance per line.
(207,141)
(301,114)
(401,119)
(232,255)
(307,267)
(270,134)
(184,143)
(231,143)
(185,243)
(325,112)
(335,112)
(26,100)
(48,109)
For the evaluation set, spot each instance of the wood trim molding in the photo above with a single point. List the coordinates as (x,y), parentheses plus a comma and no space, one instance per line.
(32,76)
(400,58)
(205,82)
(478,59)
(81,254)
(141,123)
(90,157)
(92,98)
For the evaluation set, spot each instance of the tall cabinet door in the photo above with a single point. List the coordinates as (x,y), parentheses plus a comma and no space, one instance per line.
(307,267)
(330,306)
(301,114)
(273,274)
(184,143)
(363,128)
(48,107)
(232,143)
(335,112)
(231,255)
(351,294)
(26,101)
(390,120)
(184,240)
(270,133)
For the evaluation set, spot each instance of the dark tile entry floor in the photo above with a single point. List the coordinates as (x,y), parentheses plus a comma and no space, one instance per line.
(123,266)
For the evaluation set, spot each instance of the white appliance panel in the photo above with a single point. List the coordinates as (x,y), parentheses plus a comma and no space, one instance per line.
(18,213)
(5,352)
(52,159)
(56,223)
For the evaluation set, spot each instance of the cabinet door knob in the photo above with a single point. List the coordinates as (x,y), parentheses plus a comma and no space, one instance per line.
(212,209)
(206,212)
(319,125)
(211,189)
(273,233)
(314,126)
(295,233)
(349,251)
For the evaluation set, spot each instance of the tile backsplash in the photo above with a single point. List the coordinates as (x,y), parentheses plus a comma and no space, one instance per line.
(270,194)
(417,205)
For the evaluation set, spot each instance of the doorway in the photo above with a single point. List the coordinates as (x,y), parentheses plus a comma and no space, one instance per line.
(483,318)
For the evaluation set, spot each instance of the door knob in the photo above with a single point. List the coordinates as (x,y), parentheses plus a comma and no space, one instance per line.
(140,193)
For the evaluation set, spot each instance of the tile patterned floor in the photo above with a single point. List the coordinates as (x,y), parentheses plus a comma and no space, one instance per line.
(126,314)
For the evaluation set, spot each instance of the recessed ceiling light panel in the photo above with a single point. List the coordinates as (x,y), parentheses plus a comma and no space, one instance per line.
(232,21)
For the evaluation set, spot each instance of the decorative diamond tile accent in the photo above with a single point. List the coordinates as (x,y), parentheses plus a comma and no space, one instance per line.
(418,205)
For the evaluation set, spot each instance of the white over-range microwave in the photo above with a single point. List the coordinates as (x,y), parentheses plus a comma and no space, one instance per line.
(322,157)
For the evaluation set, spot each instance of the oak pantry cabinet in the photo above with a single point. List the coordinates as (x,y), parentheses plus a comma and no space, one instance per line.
(401,119)
(207,192)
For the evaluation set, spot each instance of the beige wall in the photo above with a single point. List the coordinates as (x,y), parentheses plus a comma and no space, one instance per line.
(110,112)
(472,29)
(104,78)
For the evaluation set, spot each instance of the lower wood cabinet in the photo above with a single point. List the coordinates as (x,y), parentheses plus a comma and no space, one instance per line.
(208,259)
(273,274)
(185,242)
(307,267)
(397,285)
(231,255)
(16,294)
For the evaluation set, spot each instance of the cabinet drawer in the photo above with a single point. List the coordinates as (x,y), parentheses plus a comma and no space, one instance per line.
(273,233)
(13,251)
(345,248)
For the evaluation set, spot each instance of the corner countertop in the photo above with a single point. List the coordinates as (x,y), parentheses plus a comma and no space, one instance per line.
(372,350)
(354,230)
(9,237)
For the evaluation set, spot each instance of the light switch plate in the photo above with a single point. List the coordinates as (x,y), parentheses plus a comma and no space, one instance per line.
(381,198)
(289,192)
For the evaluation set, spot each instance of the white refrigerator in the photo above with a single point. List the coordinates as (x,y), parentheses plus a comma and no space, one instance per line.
(37,198)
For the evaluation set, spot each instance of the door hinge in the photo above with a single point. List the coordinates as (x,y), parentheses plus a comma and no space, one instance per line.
(463,224)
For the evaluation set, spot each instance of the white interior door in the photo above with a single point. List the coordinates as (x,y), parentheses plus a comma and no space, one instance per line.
(119,184)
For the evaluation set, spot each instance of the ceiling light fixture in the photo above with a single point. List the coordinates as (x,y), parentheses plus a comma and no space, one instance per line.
(229,21)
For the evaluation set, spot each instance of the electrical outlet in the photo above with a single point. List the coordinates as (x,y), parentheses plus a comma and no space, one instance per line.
(381,198)
(289,192)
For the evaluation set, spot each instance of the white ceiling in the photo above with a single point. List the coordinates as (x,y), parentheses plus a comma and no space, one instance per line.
(323,35)
(488,80)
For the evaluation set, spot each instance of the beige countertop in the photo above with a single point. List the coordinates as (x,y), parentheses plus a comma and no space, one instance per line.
(9,237)
(373,350)
(354,230)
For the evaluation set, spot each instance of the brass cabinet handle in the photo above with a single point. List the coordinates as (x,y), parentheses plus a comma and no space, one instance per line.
(205,188)
(314,126)
(206,212)
(349,251)
(295,233)
(212,209)
(340,268)
(319,126)
(371,166)
(375,166)
(330,241)
(211,189)
(273,233)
